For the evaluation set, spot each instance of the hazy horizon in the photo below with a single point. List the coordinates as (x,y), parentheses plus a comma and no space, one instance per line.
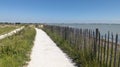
(72,21)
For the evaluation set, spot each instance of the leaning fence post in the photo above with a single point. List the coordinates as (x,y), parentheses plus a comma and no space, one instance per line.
(65,31)
(95,45)
(104,50)
(119,60)
(101,56)
(111,55)
(98,47)
(116,41)
(89,45)
(84,37)
(107,50)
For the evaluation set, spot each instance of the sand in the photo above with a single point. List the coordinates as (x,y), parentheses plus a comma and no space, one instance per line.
(11,33)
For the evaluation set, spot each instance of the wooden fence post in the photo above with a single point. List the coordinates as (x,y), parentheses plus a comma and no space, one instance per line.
(99,47)
(101,56)
(107,50)
(104,50)
(116,41)
(96,40)
(119,60)
(111,55)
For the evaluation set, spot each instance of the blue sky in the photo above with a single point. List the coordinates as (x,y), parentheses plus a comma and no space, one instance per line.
(58,10)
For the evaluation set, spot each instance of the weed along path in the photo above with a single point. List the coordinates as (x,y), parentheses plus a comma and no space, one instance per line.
(11,33)
(45,53)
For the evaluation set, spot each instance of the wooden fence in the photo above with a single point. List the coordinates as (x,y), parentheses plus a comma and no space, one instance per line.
(103,48)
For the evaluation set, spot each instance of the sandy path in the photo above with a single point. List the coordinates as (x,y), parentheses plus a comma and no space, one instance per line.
(45,53)
(11,33)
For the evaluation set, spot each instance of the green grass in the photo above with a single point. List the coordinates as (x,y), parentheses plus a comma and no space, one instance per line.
(7,29)
(15,50)
(78,56)
(82,50)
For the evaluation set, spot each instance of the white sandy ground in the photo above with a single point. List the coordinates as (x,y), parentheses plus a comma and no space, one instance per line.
(45,53)
(11,33)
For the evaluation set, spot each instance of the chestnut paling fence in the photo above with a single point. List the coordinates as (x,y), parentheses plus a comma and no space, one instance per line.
(103,48)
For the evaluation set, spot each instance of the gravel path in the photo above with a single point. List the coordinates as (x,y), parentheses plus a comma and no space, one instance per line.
(45,53)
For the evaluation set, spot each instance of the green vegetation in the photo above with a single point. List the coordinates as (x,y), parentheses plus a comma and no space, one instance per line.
(15,50)
(5,29)
(85,47)
(81,58)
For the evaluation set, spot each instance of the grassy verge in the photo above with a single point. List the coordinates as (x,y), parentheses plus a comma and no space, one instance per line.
(5,29)
(81,58)
(15,50)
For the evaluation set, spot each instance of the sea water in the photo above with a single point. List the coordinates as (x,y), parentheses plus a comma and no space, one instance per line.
(103,28)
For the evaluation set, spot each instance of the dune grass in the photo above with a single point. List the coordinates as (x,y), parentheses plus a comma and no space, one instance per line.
(15,50)
(6,29)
